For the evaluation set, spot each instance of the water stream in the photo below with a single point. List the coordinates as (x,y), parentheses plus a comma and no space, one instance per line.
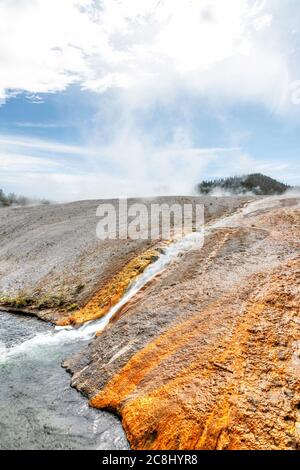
(38,408)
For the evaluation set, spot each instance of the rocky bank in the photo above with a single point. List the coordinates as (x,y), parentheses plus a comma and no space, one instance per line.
(207,354)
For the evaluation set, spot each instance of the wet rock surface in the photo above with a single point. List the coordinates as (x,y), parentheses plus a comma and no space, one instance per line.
(51,262)
(207,355)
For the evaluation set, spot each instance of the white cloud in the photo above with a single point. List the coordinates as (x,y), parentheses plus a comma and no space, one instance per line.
(11,164)
(43,145)
(236,49)
(229,51)
(48,169)
(42,125)
(145,169)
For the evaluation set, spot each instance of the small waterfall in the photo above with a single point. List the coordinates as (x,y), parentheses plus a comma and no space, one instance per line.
(68,334)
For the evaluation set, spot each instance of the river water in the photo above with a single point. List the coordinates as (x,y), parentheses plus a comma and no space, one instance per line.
(38,408)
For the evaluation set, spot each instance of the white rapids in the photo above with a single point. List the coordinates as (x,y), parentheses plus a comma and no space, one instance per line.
(68,334)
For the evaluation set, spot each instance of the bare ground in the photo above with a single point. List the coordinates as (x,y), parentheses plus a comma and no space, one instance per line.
(207,356)
(51,261)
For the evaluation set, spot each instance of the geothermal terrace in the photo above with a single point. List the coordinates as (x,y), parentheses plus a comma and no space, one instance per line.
(192,348)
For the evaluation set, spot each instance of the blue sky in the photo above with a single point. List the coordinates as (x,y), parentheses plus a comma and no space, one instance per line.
(115,98)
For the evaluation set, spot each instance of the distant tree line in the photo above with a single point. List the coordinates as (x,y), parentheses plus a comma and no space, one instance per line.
(14,199)
(256,183)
